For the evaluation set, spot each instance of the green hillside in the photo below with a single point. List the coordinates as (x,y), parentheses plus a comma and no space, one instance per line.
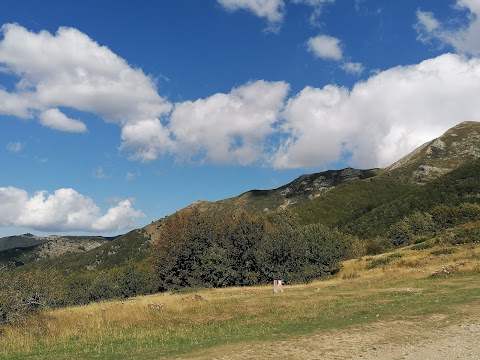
(296,193)
(452,189)
(352,200)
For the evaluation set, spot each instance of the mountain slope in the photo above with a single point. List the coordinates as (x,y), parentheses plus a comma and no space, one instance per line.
(352,200)
(439,156)
(461,185)
(364,202)
(300,191)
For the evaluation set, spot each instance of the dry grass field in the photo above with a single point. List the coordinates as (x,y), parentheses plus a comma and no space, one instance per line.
(372,303)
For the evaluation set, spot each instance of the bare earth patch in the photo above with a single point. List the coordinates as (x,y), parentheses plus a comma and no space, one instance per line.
(425,338)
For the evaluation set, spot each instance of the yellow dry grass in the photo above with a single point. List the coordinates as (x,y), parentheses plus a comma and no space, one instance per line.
(152,319)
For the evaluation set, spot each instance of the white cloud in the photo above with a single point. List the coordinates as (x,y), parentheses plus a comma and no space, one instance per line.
(148,139)
(233,127)
(64,210)
(330,48)
(68,69)
(375,123)
(315,132)
(317,6)
(15,104)
(55,119)
(14,146)
(427,21)
(464,39)
(272,10)
(118,217)
(353,68)
(381,119)
(325,47)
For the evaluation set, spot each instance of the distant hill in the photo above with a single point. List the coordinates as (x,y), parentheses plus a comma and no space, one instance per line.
(23,249)
(21,241)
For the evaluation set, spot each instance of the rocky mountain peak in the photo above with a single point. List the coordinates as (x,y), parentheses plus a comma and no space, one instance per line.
(439,156)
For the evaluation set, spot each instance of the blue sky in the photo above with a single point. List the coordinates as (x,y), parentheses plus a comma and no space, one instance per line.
(115,114)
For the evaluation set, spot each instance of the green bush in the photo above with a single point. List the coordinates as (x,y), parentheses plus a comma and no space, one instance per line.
(446,251)
(460,236)
(382,261)
(377,246)
(421,246)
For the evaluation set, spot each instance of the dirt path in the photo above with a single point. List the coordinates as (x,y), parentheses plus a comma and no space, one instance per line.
(424,338)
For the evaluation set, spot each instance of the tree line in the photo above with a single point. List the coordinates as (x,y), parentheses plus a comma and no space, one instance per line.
(203,249)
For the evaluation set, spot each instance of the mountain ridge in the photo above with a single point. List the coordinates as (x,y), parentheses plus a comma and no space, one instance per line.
(332,197)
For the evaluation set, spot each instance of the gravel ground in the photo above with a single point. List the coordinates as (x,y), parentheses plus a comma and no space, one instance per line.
(425,338)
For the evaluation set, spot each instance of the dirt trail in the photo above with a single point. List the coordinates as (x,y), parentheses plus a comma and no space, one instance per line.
(424,338)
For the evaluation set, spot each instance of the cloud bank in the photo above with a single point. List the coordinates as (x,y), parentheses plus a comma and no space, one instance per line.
(372,124)
(382,118)
(63,210)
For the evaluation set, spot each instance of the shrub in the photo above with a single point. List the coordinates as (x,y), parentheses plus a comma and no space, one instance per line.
(377,246)
(446,251)
(24,294)
(421,246)
(383,261)
(350,276)
(463,236)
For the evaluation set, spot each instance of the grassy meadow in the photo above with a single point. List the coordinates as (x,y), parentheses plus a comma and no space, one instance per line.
(407,283)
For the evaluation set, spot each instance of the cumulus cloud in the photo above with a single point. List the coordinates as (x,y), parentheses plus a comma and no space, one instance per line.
(147,139)
(353,68)
(233,127)
(330,48)
(271,10)
(464,39)
(316,134)
(63,210)
(372,124)
(68,69)
(55,119)
(325,47)
(381,119)
(14,146)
